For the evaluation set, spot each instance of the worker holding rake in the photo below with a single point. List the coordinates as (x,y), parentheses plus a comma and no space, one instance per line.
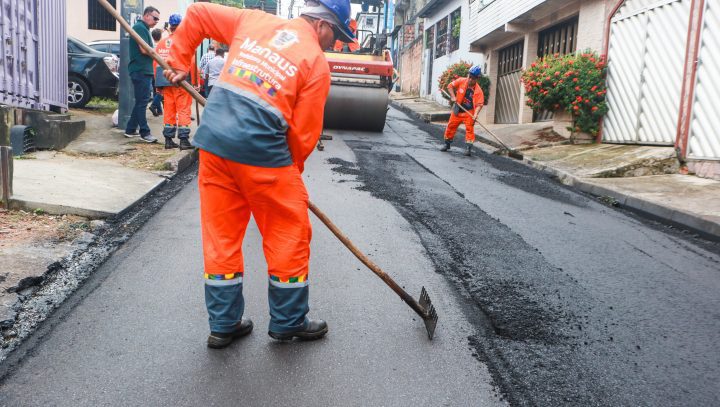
(468,100)
(261,122)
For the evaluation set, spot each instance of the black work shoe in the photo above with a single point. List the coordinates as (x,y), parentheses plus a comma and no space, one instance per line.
(314,329)
(447,146)
(219,340)
(185,144)
(468,150)
(170,144)
(155,111)
(148,138)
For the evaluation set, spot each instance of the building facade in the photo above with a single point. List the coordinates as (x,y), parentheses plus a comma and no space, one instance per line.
(513,33)
(446,43)
(408,44)
(88,21)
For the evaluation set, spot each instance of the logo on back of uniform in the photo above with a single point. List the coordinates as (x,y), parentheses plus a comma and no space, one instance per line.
(168,43)
(284,39)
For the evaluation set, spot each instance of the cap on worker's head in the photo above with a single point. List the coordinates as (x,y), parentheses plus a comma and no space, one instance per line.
(475,71)
(336,12)
(175,19)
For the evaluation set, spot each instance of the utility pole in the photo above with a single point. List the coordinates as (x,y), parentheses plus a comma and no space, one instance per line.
(130,10)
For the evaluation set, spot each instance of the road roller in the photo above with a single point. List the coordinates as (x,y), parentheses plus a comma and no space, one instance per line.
(360,87)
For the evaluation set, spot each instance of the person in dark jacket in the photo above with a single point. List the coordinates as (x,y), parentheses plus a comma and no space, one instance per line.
(140,68)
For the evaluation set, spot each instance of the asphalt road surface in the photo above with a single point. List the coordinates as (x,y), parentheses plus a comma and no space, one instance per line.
(546,297)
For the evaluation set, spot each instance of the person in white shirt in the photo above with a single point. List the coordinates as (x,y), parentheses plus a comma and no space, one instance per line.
(213,69)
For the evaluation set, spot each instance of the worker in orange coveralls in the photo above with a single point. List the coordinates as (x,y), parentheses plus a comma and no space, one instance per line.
(177,102)
(262,120)
(352,45)
(465,92)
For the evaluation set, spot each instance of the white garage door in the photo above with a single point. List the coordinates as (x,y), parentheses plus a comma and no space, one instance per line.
(704,130)
(645,71)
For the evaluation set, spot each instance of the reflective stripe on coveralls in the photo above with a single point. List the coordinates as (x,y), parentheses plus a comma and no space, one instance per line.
(262,120)
(460,86)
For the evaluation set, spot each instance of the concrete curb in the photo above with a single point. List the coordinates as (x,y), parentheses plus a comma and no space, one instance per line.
(427,117)
(669,215)
(182,160)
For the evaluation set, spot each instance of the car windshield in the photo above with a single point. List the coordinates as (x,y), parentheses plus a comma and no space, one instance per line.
(81,46)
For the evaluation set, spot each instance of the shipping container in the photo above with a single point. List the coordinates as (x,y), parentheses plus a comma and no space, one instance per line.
(33,72)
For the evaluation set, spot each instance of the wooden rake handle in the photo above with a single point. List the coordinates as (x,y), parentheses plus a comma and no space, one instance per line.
(369,263)
(320,214)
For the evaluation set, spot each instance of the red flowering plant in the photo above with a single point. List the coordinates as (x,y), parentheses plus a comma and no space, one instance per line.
(460,70)
(575,83)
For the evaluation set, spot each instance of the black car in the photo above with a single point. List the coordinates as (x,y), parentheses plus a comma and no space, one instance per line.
(111,46)
(90,73)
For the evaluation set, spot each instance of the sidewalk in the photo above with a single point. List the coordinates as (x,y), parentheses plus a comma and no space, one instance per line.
(101,174)
(642,178)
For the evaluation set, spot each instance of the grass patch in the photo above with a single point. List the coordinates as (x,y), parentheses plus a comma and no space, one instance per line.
(102,105)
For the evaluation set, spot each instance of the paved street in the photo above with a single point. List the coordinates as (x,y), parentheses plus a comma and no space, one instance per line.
(545,296)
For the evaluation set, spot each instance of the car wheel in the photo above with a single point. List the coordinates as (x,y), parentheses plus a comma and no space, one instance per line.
(78,92)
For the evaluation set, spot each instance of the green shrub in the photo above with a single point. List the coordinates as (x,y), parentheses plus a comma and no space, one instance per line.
(574,83)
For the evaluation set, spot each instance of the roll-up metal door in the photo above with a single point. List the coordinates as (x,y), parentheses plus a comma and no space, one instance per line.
(704,140)
(507,104)
(645,71)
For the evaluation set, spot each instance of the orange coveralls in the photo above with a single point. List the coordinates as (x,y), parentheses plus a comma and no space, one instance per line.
(177,103)
(262,120)
(460,86)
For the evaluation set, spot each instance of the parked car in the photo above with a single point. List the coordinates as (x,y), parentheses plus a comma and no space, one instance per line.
(90,73)
(111,46)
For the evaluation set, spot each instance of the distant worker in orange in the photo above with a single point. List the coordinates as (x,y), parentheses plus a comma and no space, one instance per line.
(177,102)
(465,92)
(352,45)
(261,122)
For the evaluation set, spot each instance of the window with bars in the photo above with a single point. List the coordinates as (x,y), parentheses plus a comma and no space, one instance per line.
(429,37)
(510,59)
(454,37)
(99,18)
(558,39)
(441,41)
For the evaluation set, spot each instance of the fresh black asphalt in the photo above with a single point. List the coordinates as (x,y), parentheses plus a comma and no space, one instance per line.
(546,297)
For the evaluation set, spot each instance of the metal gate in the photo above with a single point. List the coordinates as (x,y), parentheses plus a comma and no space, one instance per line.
(507,105)
(33,71)
(704,140)
(558,39)
(645,71)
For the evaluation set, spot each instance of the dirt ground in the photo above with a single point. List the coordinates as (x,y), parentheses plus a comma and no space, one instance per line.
(18,227)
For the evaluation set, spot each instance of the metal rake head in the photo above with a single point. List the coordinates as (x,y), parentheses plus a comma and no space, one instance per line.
(430,318)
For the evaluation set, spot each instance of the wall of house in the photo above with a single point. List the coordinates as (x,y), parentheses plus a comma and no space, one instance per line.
(77,18)
(461,54)
(411,67)
(592,24)
(496,15)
